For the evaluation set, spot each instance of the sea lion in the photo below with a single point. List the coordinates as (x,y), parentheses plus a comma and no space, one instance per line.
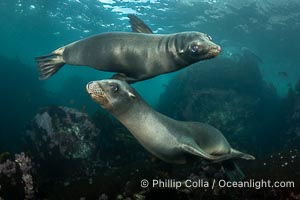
(168,139)
(133,56)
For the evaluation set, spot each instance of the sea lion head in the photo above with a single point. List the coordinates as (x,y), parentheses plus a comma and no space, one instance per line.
(196,46)
(113,95)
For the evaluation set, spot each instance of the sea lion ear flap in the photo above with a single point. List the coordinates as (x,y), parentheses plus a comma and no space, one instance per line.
(131,95)
(181,51)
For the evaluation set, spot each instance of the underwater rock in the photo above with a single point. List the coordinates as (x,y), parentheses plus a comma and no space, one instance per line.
(63,143)
(121,164)
(291,108)
(8,168)
(116,142)
(115,169)
(103,197)
(225,109)
(16,178)
(72,150)
(221,73)
(25,165)
(44,121)
(64,128)
(297,86)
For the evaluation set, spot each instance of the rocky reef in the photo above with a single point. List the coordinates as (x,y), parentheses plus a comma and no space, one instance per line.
(70,149)
(63,143)
(70,154)
(291,109)
(16,180)
(65,130)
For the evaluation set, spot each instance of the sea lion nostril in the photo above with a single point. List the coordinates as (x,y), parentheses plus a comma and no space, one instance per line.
(216,49)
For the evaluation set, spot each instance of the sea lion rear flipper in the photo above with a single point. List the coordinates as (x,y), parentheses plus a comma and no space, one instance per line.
(233,171)
(50,64)
(137,25)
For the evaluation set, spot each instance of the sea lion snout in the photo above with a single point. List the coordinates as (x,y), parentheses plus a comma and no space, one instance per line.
(215,50)
(97,92)
(198,46)
(87,87)
(218,48)
(94,89)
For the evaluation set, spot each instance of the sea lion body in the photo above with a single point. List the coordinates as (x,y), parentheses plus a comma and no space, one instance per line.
(137,55)
(133,56)
(166,138)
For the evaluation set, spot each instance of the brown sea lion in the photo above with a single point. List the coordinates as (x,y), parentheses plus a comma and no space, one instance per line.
(166,138)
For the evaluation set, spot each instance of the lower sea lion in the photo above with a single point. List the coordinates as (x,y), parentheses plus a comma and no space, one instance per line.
(133,56)
(168,139)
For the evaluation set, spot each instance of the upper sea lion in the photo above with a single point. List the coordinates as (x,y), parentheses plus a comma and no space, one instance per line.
(168,139)
(133,56)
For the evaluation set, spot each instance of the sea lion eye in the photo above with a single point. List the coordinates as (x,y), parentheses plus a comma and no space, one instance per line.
(209,37)
(114,88)
(195,49)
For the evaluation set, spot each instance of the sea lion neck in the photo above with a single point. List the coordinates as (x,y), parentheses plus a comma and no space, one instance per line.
(133,113)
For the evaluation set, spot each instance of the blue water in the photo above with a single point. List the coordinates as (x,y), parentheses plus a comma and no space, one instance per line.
(268,29)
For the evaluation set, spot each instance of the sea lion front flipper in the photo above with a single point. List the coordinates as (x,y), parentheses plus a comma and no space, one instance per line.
(215,159)
(235,154)
(137,25)
(242,155)
(192,148)
(124,77)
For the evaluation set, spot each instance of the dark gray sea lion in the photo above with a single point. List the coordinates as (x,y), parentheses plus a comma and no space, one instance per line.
(168,139)
(133,56)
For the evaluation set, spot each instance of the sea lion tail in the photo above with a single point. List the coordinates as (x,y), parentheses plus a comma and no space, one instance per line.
(50,64)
